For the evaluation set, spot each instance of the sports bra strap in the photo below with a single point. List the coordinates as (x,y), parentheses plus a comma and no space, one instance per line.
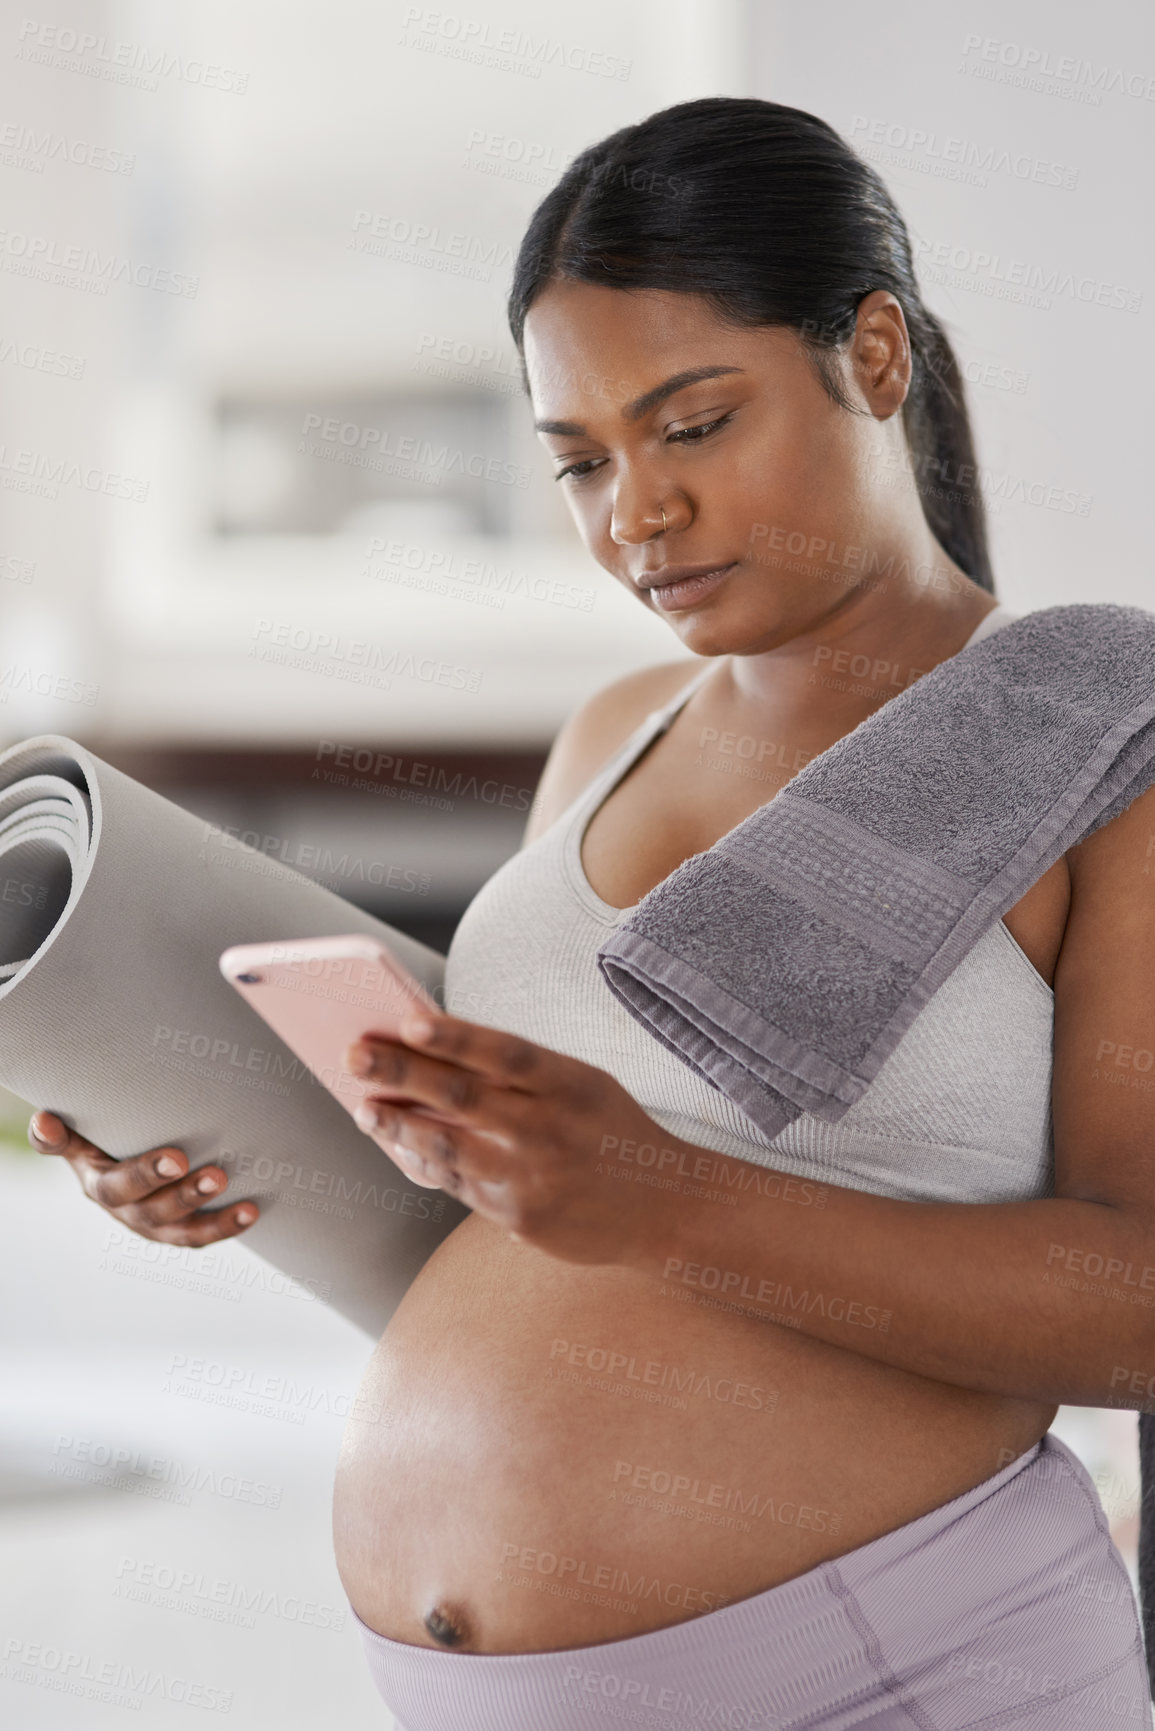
(666,711)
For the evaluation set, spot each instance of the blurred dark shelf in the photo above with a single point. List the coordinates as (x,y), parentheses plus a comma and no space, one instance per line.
(262,770)
(475,815)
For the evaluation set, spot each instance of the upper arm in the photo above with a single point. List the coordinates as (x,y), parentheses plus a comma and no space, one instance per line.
(594,732)
(1104,1078)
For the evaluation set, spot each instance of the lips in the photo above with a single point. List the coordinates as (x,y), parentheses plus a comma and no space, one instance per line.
(677,574)
(678,587)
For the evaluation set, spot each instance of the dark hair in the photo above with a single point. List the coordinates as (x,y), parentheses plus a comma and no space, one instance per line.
(770,216)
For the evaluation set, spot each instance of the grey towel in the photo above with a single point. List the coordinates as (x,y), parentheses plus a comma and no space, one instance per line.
(786,962)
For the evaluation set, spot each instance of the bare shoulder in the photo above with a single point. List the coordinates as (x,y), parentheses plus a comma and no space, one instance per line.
(1104,1060)
(1119,858)
(594,732)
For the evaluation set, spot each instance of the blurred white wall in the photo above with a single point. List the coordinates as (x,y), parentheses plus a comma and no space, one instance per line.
(201,245)
(1016,141)
(262,149)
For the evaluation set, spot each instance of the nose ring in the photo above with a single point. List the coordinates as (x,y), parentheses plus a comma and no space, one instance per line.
(662,509)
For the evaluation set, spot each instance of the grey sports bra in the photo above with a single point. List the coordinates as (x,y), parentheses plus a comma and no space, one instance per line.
(961,1110)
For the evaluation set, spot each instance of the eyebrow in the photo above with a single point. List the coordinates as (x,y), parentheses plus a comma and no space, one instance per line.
(643,404)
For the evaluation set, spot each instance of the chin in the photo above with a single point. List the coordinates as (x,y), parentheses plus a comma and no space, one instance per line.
(706,631)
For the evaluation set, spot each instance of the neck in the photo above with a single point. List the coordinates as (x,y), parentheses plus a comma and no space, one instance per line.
(880,635)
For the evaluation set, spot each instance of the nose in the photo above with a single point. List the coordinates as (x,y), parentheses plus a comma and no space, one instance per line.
(636,513)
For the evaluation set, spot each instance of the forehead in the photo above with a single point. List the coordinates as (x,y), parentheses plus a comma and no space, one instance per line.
(590,348)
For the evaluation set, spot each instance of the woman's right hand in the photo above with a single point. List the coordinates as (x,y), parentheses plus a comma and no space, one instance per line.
(153,1194)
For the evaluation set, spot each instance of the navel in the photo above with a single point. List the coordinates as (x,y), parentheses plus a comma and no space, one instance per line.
(447,1626)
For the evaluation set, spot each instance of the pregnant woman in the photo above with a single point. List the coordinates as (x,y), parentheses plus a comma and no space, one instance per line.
(592,1489)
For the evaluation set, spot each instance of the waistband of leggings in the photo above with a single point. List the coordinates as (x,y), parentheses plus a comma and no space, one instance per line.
(1048,1462)
(798,1598)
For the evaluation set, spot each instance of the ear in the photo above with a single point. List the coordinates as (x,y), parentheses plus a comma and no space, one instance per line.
(879,354)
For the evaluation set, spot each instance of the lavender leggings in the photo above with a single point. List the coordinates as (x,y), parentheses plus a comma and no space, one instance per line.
(1008,1607)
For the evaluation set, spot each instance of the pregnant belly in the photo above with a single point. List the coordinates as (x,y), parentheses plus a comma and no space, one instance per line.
(545,1455)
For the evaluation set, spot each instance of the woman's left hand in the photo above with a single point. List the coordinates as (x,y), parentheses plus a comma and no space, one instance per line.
(524,1136)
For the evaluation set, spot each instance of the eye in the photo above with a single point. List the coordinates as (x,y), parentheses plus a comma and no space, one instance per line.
(580,471)
(694,435)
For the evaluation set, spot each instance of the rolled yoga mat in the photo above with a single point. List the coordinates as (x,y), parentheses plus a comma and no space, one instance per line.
(115,905)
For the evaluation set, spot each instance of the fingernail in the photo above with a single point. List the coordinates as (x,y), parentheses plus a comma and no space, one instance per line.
(168,1166)
(245,1215)
(415,1026)
(366,1117)
(207,1182)
(57,1138)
